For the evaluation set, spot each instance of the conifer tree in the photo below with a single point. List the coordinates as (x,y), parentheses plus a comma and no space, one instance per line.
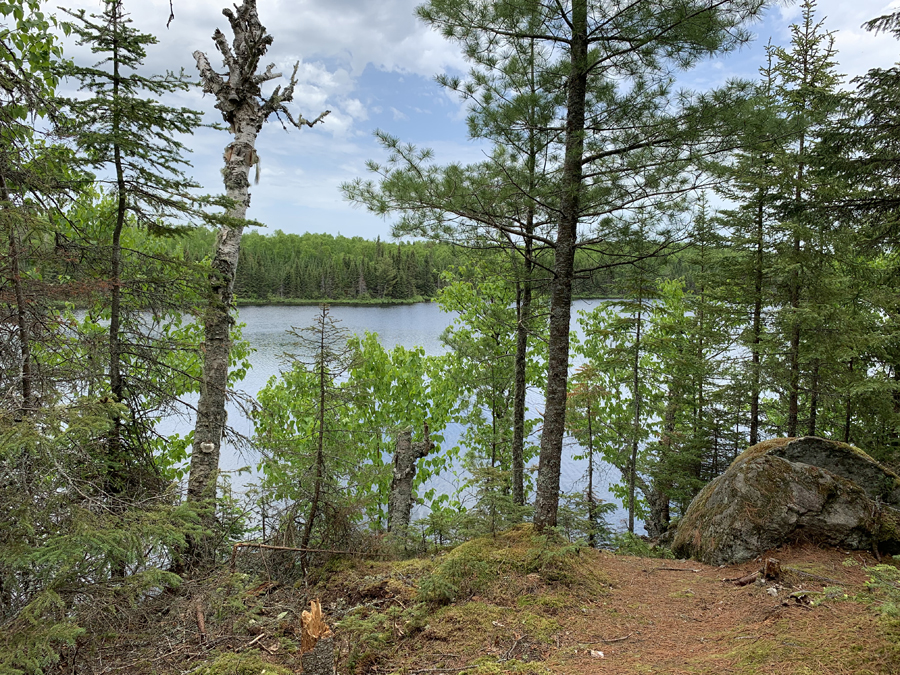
(619,149)
(806,89)
(132,139)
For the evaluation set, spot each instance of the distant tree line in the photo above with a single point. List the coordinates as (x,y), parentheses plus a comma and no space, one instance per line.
(312,266)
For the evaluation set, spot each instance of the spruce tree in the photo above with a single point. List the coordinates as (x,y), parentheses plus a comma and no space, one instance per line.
(132,139)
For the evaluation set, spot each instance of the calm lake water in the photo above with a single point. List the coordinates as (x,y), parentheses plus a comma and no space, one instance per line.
(266,329)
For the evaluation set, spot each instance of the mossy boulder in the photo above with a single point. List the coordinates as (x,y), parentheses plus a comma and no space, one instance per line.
(793,489)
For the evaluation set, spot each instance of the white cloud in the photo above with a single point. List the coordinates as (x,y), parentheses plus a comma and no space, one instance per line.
(334,44)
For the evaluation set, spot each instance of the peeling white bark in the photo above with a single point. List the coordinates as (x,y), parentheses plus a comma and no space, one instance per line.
(244,109)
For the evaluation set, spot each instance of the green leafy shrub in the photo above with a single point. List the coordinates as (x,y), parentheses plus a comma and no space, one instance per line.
(628,543)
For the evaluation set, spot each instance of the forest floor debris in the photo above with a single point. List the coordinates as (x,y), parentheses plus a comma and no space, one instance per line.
(518,603)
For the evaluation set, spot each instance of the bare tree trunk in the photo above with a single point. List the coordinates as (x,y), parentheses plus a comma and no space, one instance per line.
(757,327)
(636,424)
(238,98)
(547,497)
(813,399)
(848,415)
(794,351)
(400,498)
(26,379)
(523,307)
(591,502)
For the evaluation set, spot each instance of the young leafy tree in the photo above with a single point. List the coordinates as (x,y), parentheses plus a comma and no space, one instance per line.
(484,353)
(311,461)
(399,392)
(245,109)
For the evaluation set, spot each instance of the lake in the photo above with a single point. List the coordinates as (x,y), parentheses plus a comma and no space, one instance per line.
(266,329)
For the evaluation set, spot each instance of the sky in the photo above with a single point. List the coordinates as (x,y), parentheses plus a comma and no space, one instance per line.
(373,64)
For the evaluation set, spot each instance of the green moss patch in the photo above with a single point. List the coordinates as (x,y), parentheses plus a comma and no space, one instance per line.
(247,663)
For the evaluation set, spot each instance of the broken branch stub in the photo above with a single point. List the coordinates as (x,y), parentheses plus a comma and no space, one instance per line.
(316,642)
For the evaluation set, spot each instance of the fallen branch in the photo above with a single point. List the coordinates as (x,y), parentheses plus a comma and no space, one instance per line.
(673,569)
(618,639)
(744,581)
(201,620)
(251,643)
(270,547)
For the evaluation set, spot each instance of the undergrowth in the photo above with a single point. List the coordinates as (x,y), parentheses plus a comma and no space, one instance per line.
(628,543)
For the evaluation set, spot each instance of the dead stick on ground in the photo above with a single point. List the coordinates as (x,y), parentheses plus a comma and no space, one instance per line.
(201,620)
(252,642)
(673,569)
(618,639)
(270,547)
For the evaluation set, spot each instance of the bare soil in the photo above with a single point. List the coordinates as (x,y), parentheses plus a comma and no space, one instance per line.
(597,613)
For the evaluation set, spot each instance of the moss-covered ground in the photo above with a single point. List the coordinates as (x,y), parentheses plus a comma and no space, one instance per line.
(519,603)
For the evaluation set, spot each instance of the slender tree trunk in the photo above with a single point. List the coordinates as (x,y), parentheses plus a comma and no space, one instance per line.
(757,326)
(547,497)
(523,322)
(320,447)
(794,349)
(26,379)
(591,503)
(116,384)
(848,417)
(636,425)
(813,399)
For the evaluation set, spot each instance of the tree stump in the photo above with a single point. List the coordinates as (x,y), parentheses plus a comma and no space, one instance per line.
(316,642)
(772,570)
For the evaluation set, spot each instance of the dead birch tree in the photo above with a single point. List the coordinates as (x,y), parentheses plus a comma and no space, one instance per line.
(244,108)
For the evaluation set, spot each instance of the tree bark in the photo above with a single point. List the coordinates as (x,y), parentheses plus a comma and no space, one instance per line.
(523,306)
(26,382)
(547,497)
(757,325)
(239,99)
(400,500)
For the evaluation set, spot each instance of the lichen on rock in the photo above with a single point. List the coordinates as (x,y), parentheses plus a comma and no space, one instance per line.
(790,489)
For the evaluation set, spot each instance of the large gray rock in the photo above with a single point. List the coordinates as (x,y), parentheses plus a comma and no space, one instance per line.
(790,489)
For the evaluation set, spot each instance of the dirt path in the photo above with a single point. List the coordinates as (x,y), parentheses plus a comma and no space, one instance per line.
(681,617)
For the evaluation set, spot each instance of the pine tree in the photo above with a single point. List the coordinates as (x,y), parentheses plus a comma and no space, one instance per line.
(605,71)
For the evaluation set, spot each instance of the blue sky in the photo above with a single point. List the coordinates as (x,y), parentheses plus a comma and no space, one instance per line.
(373,64)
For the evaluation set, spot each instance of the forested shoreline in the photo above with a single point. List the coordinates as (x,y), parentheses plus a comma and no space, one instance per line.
(281,268)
